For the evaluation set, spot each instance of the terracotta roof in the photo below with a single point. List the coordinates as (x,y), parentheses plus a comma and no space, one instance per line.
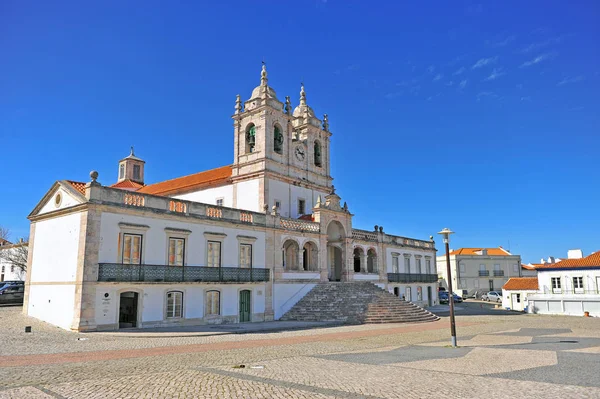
(4,242)
(77,186)
(521,283)
(474,251)
(211,177)
(528,267)
(590,260)
(127,184)
(307,217)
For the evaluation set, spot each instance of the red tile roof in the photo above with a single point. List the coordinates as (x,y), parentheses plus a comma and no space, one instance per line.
(127,185)
(590,260)
(77,186)
(528,267)
(474,251)
(521,283)
(213,177)
(308,217)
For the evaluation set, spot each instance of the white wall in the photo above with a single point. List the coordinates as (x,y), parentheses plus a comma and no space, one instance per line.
(56,249)
(210,195)
(15,274)
(154,247)
(413,260)
(287,295)
(590,280)
(248,195)
(289,194)
(52,303)
(66,201)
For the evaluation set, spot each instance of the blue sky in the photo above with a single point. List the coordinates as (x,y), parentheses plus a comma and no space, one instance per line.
(476,116)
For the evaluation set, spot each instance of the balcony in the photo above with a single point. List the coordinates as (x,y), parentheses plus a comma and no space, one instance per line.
(177,274)
(484,273)
(412,278)
(498,273)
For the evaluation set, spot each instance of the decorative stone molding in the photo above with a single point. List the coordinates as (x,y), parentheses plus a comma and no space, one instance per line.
(177,231)
(133,226)
(214,236)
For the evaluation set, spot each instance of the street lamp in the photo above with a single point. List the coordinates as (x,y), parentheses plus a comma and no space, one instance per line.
(446,233)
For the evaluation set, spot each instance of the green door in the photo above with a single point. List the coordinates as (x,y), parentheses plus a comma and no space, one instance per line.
(244,306)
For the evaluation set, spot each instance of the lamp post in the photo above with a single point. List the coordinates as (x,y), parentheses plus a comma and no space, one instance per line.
(446,234)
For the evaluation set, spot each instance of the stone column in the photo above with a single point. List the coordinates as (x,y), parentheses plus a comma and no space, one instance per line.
(323,258)
(301,259)
(363,263)
(347,260)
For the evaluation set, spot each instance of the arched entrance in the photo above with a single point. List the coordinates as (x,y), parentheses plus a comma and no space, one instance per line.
(359,254)
(290,255)
(310,257)
(128,308)
(335,250)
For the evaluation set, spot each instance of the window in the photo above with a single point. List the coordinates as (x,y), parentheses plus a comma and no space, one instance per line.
(174,304)
(250,138)
(418,265)
(214,254)
(301,207)
(136,172)
(556,287)
(213,303)
(518,298)
(395,265)
(121,171)
(219,201)
(277,204)
(428,266)
(277,140)
(463,283)
(419,293)
(462,267)
(12,268)
(578,285)
(176,251)
(516,268)
(3,269)
(246,256)
(476,281)
(132,249)
(317,154)
(407,264)
(497,268)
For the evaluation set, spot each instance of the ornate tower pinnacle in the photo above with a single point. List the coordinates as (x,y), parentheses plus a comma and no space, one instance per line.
(288,105)
(263,75)
(325,122)
(238,104)
(302,95)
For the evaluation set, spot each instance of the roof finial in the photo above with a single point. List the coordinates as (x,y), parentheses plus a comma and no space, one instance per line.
(263,75)
(326,122)
(132,151)
(238,104)
(288,105)
(302,94)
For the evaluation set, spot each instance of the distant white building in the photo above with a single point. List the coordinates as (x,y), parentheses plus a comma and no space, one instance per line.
(516,292)
(8,270)
(570,287)
(478,269)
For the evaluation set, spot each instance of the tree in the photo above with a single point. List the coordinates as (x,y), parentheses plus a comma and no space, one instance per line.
(13,255)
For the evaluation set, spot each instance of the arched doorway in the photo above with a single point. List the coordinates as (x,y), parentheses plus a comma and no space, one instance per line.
(358,259)
(371,261)
(335,250)
(290,255)
(128,307)
(397,291)
(310,257)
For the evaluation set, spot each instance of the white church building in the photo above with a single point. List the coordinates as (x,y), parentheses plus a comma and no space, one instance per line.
(239,243)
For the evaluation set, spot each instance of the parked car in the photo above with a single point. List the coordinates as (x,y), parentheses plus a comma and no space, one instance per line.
(464,294)
(476,293)
(443,296)
(457,298)
(492,296)
(12,293)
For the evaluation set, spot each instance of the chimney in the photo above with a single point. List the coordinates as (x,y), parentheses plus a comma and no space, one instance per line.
(551,259)
(484,252)
(575,254)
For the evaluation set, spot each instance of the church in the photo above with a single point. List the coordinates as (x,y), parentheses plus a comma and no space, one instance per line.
(239,243)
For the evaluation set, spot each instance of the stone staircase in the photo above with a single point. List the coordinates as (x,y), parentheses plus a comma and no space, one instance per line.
(355,303)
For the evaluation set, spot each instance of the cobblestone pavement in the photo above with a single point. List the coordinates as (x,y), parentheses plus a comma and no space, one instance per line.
(501,355)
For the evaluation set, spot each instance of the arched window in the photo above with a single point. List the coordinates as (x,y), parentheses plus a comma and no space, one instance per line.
(310,257)
(212,303)
(317,154)
(250,138)
(277,139)
(371,261)
(290,253)
(358,260)
(174,304)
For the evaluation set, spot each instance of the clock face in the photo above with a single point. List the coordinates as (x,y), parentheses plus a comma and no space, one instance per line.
(299,151)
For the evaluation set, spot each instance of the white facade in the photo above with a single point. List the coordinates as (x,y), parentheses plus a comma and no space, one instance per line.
(8,271)
(104,258)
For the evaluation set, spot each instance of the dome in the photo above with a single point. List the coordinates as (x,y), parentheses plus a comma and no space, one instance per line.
(260,90)
(300,110)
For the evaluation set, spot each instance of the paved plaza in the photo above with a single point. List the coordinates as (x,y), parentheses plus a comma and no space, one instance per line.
(500,355)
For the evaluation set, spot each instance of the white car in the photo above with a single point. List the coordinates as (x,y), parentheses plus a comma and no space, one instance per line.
(492,296)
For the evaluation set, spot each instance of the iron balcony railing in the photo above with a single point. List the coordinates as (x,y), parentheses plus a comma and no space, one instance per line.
(498,273)
(175,274)
(484,273)
(412,278)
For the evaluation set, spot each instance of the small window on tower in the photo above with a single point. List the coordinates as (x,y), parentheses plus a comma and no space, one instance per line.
(121,171)
(301,207)
(317,154)
(136,172)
